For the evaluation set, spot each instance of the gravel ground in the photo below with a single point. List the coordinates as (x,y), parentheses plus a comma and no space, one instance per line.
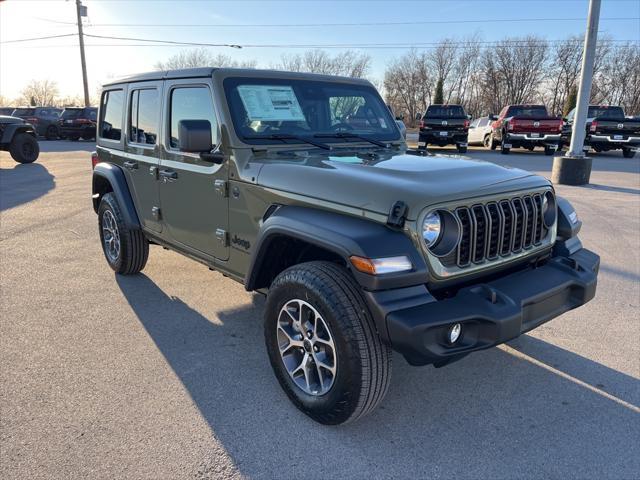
(165,375)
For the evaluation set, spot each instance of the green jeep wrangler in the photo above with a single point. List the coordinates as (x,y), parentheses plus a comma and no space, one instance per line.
(301,187)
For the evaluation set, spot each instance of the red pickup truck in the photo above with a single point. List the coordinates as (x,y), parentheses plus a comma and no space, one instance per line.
(525,126)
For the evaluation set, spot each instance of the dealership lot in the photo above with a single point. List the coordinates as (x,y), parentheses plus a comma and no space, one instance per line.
(165,374)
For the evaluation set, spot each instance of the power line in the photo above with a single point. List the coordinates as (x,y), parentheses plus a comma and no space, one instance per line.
(170,42)
(38,38)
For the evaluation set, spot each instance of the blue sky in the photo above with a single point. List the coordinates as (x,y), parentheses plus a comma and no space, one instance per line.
(58,58)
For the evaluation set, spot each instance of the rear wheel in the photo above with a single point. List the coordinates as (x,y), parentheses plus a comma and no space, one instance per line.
(462,149)
(51,133)
(549,150)
(504,150)
(323,345)
(126,250)
(628,153)
(24,148)
(493,143)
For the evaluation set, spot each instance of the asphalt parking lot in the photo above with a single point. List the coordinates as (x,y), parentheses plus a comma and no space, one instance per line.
(165,374)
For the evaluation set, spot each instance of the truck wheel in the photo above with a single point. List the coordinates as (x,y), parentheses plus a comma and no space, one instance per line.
(323,345)
(503,149)
(487,142)
(24,148)
(126,250)
(493,143)
(462,149)
(51,133)
(549,150)
(628,153)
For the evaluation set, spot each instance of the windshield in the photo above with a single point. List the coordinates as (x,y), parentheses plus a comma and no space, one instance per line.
(21,112)
(445,111)
(527,111)
(606,112)
(77,113)
(262,108)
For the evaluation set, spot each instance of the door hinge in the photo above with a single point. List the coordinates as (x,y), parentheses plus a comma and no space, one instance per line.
(221,188)
(222,237)
(155,212)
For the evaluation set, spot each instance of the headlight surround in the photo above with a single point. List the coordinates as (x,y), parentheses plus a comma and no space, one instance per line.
(431,228)
(549,209)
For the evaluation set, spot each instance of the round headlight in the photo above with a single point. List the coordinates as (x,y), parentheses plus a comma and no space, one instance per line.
(431,227)
(549,210)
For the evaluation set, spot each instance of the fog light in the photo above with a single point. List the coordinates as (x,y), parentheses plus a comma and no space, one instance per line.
(454,333)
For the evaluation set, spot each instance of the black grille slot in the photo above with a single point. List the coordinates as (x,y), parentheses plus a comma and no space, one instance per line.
(507,235)
(495,230)
(464,248)
(531,221)
(520,224)
(482,225)
(537,201)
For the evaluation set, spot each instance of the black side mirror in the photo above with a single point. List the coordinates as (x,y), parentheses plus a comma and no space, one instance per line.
(493,117)
(400,117)
(194,136)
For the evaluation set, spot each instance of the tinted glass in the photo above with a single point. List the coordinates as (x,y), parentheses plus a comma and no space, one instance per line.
(191,103)
(483,122)
(475,123)
(144,116)
(69,113)
(112,107)
(306,108)
(19,112)
(606,112)
(92,114)
(527,111)
(446,111)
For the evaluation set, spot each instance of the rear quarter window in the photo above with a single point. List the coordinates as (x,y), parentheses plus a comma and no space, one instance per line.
(111,118)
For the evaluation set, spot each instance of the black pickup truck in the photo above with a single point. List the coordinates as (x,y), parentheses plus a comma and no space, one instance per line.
(607,129)
(444,125)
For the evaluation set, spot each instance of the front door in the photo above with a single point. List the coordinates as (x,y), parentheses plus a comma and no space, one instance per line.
(142,150)
(193,191)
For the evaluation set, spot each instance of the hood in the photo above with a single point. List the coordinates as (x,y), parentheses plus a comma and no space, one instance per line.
(8,119)
(376,182)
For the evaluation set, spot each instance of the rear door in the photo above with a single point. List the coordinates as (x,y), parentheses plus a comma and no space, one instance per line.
(142,150)
(193,191)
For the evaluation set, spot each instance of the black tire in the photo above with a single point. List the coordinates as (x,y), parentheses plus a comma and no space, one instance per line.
(462,149)
(363,365)
(24,148)
(134,247)
(549,150)
(503,149)
(487,142)
(628,153)
(493,143)
(74,138)
(51,133)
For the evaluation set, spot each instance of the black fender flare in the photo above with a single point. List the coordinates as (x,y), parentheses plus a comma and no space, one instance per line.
(12,129)
(343,235)
(116,179)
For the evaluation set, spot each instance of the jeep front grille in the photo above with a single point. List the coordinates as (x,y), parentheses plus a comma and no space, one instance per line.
(498,229)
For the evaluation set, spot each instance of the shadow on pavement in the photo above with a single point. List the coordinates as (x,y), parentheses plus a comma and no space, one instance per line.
(61,146)
(493,414)
(24,183)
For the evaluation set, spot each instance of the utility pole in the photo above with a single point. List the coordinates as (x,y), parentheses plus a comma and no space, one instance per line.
(82,12)
(575,167)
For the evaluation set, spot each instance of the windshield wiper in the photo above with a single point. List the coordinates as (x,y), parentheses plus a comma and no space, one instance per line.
(286,136)
(351,135)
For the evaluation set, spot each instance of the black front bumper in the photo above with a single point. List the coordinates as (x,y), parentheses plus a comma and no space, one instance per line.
(490,313)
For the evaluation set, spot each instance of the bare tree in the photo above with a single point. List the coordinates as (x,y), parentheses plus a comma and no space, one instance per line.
(39,93)
(564,70)
(618,81)
(201,57)
(348,63)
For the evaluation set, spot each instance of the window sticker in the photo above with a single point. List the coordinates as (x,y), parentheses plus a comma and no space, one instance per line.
(271,103)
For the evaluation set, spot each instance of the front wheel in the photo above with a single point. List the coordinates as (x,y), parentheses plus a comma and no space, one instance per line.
(323,345)
(125,249)
(492,142)
(550,150)
(24,148)
(628,153)
(487,142)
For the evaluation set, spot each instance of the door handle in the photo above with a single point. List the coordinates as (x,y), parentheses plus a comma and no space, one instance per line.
(168,175)
(131,165)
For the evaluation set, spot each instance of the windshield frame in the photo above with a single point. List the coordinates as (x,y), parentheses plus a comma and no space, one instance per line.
(232,96)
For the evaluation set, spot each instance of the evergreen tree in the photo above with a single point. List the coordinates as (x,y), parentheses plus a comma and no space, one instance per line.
(438,97)
(570,102)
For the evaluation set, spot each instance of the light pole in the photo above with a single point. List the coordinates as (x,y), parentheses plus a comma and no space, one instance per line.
(82,12)
(575,168)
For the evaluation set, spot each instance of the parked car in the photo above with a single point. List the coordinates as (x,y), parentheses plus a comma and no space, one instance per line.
(525,126)
(301,187)
(444,125)
(6,111)
(78,122)
(18,137)
(480,132)
(44,119)
(607,129)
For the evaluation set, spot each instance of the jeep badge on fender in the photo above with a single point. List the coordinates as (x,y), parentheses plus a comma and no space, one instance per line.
(361,245)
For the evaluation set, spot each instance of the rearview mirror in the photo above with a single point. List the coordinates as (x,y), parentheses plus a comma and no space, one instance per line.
(194,136)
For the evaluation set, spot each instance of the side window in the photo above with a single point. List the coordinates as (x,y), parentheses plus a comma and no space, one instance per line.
(483,122)
(93,115)
(111,121)
(143,117)
(191,103)
(474,124)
